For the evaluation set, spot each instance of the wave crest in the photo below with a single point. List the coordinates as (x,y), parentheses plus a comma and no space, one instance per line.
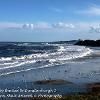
(41,60)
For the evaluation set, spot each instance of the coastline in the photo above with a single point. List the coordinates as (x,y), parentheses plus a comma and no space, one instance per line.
(70,79)
(67,72)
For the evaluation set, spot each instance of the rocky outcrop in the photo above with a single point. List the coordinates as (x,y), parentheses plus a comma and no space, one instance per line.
(94,87)
(89,43)
(52,82)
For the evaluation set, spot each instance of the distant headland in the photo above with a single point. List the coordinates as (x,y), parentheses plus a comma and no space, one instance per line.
(93,43)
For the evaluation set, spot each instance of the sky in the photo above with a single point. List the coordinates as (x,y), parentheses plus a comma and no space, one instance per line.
(49,20)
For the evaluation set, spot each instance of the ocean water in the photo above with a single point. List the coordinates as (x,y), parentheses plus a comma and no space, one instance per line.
(17,57)
(24,63)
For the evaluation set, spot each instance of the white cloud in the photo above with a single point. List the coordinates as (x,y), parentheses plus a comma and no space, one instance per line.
(79,27)
(58,10)
(62,25)
(8,25)
(95,28)
(44,25)
(40,25)
(92,10)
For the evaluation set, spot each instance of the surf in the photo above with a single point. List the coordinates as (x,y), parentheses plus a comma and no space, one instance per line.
(59,55)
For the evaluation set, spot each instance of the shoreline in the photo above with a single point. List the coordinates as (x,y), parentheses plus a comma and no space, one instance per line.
(65,72)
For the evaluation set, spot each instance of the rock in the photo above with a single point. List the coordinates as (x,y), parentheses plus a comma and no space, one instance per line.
(88,43)
(95,87)
(52,82)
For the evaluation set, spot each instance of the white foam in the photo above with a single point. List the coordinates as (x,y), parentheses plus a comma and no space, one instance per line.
(61,48)
(68,52)
(25,70)
(9,63)
(6,58)
(63,53)
(18,64)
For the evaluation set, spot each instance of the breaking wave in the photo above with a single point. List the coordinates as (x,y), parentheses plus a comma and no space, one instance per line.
(52,55)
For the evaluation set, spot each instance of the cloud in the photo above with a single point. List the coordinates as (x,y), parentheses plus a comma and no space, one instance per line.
(92,10)
(79,27)
(35,26)
(41,25)
(62,25)
(95,28)
(57,10)
(9,25)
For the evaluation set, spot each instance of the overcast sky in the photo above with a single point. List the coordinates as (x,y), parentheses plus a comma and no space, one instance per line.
(49,20)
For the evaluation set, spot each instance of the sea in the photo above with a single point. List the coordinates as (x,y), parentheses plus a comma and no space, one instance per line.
(24,63)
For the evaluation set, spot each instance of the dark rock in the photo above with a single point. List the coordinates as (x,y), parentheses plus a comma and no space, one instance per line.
(94,87)
(88,43)
(52,82)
